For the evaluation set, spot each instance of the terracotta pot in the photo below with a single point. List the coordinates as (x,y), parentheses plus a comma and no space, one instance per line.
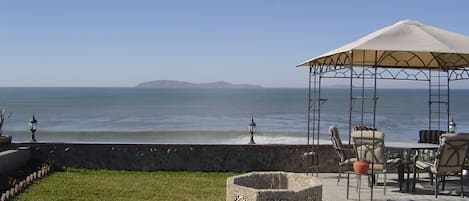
(360,167)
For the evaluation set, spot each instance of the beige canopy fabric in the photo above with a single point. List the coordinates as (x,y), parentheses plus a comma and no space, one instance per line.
(406,44)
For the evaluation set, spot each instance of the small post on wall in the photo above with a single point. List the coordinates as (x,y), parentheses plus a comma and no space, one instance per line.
(252,129)
(33,128)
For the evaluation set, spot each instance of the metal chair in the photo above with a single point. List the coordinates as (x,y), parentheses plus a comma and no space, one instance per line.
(369,146)
(449,160)
(346,155)
(432,137)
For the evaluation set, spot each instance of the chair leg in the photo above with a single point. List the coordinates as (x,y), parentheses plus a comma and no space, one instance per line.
(443,182)
(359,185)
(357,176)
(400,176)
(348,182)
(431,179)
(415,180)
(385,183)
(462,185)
(436,186)
(375,182)
(340,175)
(371,180)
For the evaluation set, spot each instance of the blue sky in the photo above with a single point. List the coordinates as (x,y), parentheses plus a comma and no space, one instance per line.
(119,43)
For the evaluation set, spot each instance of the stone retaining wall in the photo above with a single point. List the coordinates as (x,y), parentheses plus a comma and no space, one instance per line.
(184,157)
(13,159)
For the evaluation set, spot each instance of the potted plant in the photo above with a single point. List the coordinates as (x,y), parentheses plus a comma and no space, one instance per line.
(361,166)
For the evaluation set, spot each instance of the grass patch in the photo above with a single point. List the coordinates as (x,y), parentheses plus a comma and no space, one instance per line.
(85,184)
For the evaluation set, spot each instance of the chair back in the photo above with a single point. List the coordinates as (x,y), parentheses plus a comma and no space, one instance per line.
(337,143)
(452,152)
(430,136)
(369,145)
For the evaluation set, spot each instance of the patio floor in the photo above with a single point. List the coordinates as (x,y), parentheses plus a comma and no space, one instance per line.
(424,191)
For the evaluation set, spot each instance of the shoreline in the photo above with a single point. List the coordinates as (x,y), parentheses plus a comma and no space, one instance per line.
(173,137)
(164,137)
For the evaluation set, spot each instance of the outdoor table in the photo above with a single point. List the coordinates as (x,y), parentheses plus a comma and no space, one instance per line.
(408,148)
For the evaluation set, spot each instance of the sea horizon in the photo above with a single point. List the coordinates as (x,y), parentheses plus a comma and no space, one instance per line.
(263,87)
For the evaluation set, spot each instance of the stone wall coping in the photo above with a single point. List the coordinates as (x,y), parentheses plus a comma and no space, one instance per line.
(160,144)
(6,152)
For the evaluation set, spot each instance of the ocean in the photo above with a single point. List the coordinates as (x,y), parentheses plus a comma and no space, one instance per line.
(142,115)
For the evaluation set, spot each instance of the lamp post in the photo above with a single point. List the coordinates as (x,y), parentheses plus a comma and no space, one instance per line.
(32,128)
(452,126)
(252,130)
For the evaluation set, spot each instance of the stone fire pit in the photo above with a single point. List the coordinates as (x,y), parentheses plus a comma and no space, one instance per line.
(273,186)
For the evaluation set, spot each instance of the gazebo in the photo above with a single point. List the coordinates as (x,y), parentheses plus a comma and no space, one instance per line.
(407,50)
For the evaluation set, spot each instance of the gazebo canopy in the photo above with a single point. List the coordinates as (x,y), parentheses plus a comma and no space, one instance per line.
(406,44)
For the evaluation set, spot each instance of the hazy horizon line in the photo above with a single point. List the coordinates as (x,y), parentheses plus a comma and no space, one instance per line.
(262,87)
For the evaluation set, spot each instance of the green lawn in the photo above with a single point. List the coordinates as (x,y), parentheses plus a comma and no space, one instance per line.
(85,184)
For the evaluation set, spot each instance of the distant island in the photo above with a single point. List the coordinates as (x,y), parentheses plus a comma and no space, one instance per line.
(173,84)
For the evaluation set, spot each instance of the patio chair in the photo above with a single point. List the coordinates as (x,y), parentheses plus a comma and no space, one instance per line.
(449,160)
(432,137)
(346,155)
(369,146)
